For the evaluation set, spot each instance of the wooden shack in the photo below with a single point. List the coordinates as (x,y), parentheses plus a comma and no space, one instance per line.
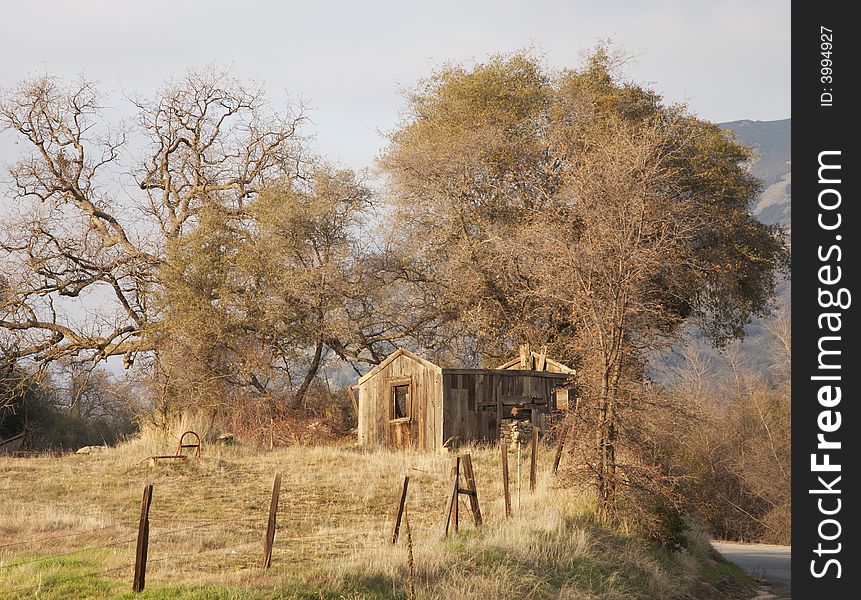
(409,402)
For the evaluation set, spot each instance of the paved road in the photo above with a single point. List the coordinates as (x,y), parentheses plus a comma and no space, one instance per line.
(771,563)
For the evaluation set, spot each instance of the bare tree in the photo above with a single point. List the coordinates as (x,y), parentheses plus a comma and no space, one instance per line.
(82,229)
(626,261)
(736,451)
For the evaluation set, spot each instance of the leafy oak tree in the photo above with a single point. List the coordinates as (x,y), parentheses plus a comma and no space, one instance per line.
(261,300)
(576,210)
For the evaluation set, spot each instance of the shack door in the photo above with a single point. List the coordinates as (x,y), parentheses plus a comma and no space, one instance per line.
(400,412)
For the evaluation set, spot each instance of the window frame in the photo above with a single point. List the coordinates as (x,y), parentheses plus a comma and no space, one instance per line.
(396,382)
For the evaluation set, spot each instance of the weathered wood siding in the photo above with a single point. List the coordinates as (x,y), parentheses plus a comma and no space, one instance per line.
(475,400)
(423,431)
(448,406)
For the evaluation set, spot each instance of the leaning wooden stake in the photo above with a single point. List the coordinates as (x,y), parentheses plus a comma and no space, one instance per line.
(401,507)
(143,541)
(504,446)
(471,490)
(270,529)
(456,468)
(453,506)
(533,466)
(559,447)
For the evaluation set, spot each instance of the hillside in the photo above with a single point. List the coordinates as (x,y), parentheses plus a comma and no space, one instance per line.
(334,523)
(772,143)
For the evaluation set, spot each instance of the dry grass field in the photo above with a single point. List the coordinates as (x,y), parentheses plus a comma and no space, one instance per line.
(68,526)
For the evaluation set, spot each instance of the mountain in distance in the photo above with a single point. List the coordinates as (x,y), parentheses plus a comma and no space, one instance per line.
(771,143)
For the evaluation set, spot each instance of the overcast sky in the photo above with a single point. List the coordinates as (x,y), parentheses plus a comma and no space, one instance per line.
(727,59)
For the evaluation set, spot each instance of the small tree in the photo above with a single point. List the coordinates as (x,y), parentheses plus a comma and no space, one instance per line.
(261,299)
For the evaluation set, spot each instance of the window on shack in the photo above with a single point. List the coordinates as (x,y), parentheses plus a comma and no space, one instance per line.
(401,400)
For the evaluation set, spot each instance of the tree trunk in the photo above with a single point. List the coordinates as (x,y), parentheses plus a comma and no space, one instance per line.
(607,431)
(604,508)
(299,397)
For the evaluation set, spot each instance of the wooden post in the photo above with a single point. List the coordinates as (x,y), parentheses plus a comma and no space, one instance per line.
(525,357)
(533,467)
(401,506)
(559,447)
(143,541)
(471,490)
(411,563)
(504,446)
(541,363)
(453,506)
(270,529)
(519,479)
(456,466)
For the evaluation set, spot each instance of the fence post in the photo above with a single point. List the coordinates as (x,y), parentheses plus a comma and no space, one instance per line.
(519,478)
(471,490)
(453,506)
(457,495)
(533,467)
(504,446)
(143,541)
(401,510)
(270,529)
(411,563)
(559,447)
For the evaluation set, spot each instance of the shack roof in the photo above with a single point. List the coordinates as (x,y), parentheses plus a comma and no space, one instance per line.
(562,372)
(393,356)
(531,357)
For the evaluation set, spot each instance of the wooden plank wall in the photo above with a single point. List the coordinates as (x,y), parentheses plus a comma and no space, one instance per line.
(424,430)
(474,402)
(458,405)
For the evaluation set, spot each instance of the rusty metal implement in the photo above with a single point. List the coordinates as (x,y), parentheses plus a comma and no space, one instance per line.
(194,442)
(182,444)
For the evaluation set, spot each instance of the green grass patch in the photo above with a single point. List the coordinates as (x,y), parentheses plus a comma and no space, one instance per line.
(719,569)
(194,592)
(79,576)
